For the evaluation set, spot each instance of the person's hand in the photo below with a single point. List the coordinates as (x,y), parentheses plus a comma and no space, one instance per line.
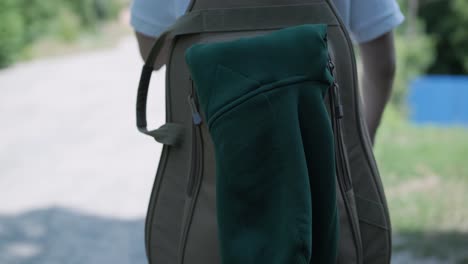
(145,44)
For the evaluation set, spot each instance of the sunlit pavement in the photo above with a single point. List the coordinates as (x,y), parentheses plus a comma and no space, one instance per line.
(75,175)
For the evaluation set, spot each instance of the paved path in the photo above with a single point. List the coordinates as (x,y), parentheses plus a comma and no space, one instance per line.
(75,175)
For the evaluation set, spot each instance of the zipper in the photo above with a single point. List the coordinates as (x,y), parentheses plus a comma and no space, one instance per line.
(342,166)
(337,116)
(196,169)
(196,117)
(196,142)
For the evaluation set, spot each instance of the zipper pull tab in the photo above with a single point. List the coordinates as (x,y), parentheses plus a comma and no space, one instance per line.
(196,117)
(338,105)
(336,91)
(331,66)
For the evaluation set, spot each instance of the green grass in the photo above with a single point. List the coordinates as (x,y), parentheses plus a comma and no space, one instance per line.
(425,173)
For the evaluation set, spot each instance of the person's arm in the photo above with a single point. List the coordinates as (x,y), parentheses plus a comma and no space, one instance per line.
(150,18)
(371,23)
(378,59)
(145,44)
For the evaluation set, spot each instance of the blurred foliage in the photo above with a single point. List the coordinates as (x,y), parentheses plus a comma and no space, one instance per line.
(447,21)
(92,11)
(22,22)
(38,17)
(67,25)
(415,53)
(11,31)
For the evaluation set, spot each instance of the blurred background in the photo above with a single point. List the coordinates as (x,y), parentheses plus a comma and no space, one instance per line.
(75,175)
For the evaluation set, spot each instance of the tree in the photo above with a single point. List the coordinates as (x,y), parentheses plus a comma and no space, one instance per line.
(447,22)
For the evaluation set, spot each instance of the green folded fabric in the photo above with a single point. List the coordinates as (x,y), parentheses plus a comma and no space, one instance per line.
(262,98)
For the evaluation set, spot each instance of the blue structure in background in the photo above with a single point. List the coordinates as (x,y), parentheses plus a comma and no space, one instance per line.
(439,99)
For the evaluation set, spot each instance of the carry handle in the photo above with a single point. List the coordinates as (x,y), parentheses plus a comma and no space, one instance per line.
(169,133)
(143,85)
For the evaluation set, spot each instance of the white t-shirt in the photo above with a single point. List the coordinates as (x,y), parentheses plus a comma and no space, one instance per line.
(364,19)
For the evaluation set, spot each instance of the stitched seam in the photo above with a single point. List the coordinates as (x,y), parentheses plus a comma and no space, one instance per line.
(372,224)
(239,73)
(265,88)
(213,91)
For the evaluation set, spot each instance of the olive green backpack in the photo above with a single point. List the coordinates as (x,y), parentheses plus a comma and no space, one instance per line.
(181,223)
